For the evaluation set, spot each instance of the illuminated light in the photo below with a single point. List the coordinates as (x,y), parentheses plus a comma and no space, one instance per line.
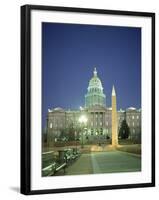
(81,108)
(83,119)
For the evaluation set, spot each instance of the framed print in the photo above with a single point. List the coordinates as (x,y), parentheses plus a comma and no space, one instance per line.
(87,99)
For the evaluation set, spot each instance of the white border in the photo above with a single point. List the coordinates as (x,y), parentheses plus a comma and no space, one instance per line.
(39,183)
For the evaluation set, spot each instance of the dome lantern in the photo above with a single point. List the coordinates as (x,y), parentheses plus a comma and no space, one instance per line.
(95,72)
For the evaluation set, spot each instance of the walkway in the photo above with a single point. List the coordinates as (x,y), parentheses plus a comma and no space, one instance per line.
(105,162)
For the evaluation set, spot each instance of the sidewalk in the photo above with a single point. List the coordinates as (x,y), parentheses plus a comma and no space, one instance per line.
(82,166)
(105,162)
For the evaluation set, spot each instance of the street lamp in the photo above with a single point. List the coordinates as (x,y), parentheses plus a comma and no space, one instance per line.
(76,139)
(83,121)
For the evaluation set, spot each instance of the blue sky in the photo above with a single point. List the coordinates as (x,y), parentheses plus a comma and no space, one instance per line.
(71,51)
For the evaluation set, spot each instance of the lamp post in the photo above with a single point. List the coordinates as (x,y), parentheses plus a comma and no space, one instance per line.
(76,140)
(83,121)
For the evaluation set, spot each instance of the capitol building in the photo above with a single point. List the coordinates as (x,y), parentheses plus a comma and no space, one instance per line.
(98,116)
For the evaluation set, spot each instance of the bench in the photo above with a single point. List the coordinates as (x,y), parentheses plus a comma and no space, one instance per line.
(53,168)
(62,166)
(49,170)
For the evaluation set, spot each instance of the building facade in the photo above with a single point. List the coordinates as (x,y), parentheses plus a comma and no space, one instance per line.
(98,115)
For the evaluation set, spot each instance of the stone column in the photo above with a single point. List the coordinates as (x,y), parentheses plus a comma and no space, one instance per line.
(114,120)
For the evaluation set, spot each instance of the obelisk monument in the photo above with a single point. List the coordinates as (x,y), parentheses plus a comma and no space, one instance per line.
(114,120)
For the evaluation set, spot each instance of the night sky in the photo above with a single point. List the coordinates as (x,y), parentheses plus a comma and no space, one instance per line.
(69,54)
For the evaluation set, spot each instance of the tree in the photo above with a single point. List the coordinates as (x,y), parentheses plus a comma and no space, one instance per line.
(124,131)
(71,132)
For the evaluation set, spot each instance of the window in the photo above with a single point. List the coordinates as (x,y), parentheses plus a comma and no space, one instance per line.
(50,125)
(133,117)
(60,124)
(137,117)
(133,124)
(100,123)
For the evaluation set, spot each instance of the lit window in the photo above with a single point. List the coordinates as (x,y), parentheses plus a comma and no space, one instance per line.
(50,125)
(133,117)
(133,124)
(100,123)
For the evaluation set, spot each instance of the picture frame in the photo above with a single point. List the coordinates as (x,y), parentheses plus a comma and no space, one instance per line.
(32,18)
